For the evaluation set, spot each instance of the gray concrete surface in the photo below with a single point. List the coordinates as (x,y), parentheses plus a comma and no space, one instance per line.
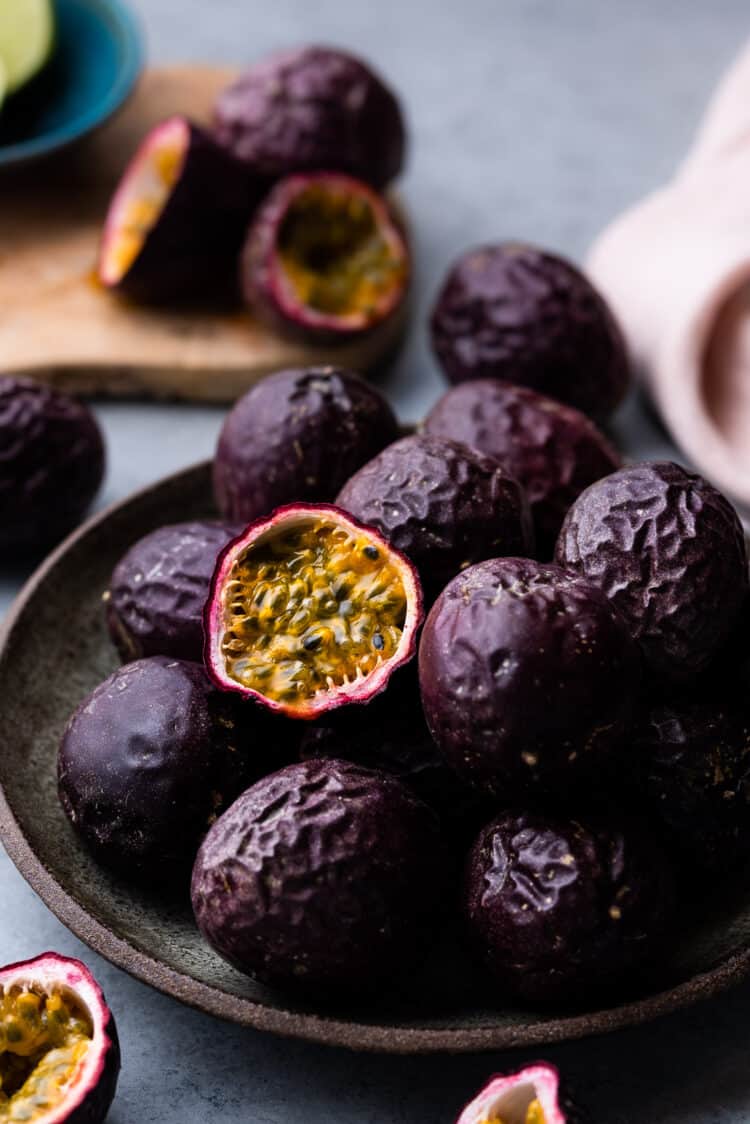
(530,118)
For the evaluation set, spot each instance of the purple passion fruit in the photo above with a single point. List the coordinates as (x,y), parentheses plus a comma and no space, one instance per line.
(298,436)
(176,222)
(553,450)
(528,678)
(312,108)
(692,766)
(310,610)
(325,259)
(59,1053)
(532,1095)
(669,551)
(158,590)
(514,312)
(51,464)
(322,878)
(444,505)
(560,911)
(148,761)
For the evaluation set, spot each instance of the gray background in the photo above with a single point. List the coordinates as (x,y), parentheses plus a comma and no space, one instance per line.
(530,119)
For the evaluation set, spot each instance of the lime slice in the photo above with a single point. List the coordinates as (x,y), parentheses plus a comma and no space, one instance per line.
(27,36)
(3,83)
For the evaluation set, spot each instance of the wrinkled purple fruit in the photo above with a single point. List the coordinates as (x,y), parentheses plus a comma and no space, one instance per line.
(150,758)
(444,505)
(297,436)
(691,760)
(323,878)
(528,678)
(175,225)
(535,1094)
(311,108)
(325,260)
(553,450)
(51,464)
(154,604)
(514,312)
(59,1051)
(668,550)
(560,911)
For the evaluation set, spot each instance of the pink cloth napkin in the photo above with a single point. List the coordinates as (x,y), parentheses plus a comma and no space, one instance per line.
(676,270)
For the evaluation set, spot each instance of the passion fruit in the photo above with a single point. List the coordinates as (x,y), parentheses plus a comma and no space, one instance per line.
(325,259)
(532,1095)
(561,911)
(310,610)
(323,878)
(529,679)
(444,505)
(298,436)
(154,604)
(148,761)
(51,464)
(59,1052)
(553,450)
(175,225)
(512,311)
(668,550)
(310,108)
(691,765)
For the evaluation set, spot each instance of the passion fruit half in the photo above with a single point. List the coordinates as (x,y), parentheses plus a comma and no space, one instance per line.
(59,1052)
(175,225)
(310,609)
(325,259)
(532,1095)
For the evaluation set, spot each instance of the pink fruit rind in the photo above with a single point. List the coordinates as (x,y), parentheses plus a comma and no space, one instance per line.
(360,691)
(86,1102)
(508,1096)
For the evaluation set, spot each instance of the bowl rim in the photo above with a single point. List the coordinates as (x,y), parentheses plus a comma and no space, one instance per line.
(323,1029)
(112,14)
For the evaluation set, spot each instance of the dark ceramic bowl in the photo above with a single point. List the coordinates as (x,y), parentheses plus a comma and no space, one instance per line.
(54,650)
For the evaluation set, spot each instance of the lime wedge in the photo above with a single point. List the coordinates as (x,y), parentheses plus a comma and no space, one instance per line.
(27,37)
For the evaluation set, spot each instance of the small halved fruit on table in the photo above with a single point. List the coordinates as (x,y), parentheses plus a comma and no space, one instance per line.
(532,1095)
(325,259)
(27,40)
(309,610)
(176,222)
(59,1053)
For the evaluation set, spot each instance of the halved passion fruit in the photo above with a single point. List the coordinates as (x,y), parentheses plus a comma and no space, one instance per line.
(325,258)
(310,609)
(176,222)
(59,1053)
(530,1096)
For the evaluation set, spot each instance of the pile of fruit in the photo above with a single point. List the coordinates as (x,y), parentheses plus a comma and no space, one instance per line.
(480,669)
(278,203)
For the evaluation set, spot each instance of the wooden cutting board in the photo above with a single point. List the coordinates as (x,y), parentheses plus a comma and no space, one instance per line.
(58,325)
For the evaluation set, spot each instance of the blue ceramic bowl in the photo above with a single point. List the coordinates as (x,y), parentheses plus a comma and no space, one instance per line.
(98,57)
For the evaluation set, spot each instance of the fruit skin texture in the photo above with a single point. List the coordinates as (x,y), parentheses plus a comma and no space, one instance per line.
(668,550)
(154,605)
(549,1088)
(98,1087)
(691,761)
(192,248)
(297,436)
(309,108)
(512,311)
(51,464)
(444,505)
(323,879)
(263,279)
(149,759)
(553,450)
(528,678)
(561,910)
